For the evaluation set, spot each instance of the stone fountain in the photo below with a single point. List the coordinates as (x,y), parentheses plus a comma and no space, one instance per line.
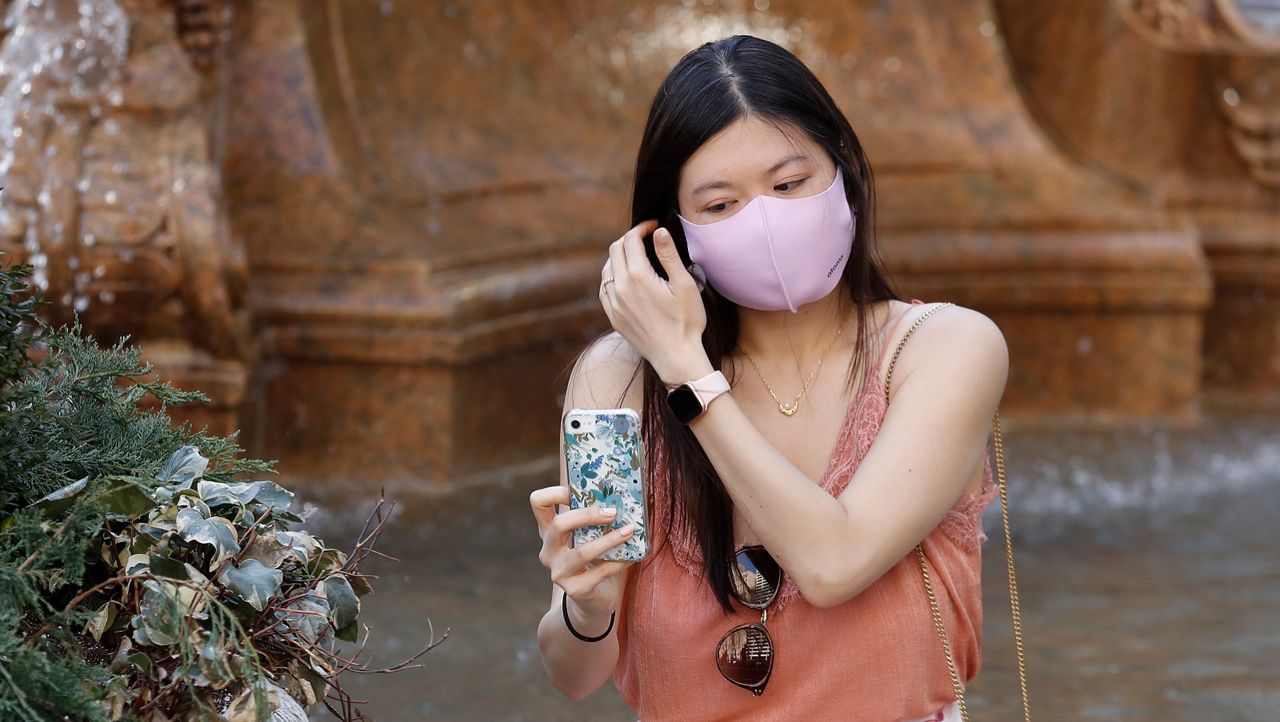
(373,231)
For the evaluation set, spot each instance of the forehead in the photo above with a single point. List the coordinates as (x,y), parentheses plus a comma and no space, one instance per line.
(744,150)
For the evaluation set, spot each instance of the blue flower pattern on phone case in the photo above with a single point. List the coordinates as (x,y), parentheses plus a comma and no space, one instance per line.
(605,462)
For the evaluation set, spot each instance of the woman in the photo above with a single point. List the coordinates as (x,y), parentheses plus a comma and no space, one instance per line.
(749,169)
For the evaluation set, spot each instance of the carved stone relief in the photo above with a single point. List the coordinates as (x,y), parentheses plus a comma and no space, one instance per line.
(1250,102)
(1187,106)
(1223,26)
(110,193)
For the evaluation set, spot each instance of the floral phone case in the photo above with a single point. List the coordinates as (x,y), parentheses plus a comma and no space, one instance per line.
(604,457)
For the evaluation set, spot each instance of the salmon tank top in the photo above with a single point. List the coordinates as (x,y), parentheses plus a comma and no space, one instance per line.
(876,657)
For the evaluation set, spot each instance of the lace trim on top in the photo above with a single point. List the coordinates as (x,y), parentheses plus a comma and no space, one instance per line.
(962,524)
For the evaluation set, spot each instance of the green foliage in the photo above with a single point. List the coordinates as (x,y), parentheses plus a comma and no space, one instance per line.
(76,414)
(139,577)
(16,311)
(37,682)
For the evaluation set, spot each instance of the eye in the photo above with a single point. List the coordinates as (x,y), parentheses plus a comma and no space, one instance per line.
(719,207)
(788,186)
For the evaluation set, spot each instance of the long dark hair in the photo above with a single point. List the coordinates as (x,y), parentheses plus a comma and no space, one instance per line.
(710,88)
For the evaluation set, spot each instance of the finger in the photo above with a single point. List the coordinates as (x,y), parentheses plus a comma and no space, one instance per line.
(568,563)
(608,302)
(557,551)
(544,501)
(633,250)
(592,577)
(665,248)
(591,551)
(608,296)
(566,521)
(607,280)
(618,267)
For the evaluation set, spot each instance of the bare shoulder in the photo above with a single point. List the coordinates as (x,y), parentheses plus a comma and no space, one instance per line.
(956,343)
(606,375)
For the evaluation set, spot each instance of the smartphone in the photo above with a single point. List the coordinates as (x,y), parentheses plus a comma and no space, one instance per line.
(604,458)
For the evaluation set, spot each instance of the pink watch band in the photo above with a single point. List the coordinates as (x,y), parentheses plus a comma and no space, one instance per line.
(708,387)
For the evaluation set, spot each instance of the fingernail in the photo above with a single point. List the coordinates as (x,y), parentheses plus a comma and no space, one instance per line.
(626,530)
(609,513)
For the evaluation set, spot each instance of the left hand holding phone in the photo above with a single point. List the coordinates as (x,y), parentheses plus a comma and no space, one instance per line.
(594,586)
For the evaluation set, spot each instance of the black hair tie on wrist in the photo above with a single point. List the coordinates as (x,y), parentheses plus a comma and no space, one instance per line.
(564,607)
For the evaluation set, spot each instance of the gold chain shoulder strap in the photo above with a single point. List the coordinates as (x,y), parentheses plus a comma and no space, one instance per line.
(1014,607)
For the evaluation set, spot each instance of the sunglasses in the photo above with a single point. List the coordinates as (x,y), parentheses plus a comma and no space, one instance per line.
(745,654)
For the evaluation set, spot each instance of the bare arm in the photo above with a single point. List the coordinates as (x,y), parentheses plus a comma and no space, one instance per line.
(949,381)
(575,667)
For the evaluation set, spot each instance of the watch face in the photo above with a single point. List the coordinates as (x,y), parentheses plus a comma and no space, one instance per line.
(684,403)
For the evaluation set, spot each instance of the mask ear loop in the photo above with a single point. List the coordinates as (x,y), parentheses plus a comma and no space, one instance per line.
(699,276)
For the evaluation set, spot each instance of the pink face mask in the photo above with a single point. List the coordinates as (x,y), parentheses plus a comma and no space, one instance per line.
(776,254)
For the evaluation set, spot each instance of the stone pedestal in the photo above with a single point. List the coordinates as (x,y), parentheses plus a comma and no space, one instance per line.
(223,381)
(425,238)
(1098,290)
(1181,100)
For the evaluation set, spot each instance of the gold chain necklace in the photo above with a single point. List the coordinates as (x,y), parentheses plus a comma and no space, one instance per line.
(791,408)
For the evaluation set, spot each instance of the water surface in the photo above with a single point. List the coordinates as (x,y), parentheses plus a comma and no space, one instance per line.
(1148,562)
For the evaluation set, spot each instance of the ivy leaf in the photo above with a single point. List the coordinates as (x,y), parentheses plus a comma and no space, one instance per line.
(268,549)
(190,500)
(267,493)
(272,495)
(56,501)
(315,681)
(302,544)
(328,560)
(348,633)
(183,466)
(360,584)
(164,604)
(216,532)
(157,620)
(214,665)
(126,498)
(306,618)
(253,582)
(166,567)
(344,605)
(216,493)
(125,658)
(102,619)
(137,564)
(160,522)
(244,708)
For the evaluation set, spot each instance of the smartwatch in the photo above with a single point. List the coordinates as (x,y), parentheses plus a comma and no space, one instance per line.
(689,399)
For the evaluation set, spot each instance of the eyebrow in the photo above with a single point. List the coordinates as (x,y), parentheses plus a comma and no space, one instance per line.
(772,169)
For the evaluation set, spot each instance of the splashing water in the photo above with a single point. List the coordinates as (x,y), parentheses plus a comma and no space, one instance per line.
(60,61)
